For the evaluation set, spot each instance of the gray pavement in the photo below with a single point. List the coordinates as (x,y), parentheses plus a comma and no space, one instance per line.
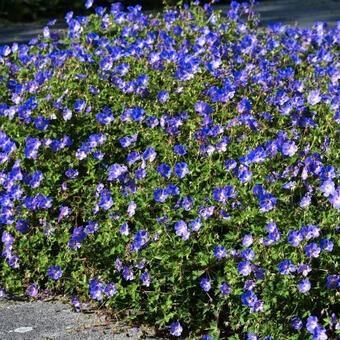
(55,320)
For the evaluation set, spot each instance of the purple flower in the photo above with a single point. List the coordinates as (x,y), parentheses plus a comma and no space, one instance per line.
(225,289)
(71,173)
(54,272)
(105,117)
(195,225)
(249,285)
(296,323)
(140,240)
(76,303)
(22,226)
(128,273)
(181,169)
(35,179)
(205,284)
(304,286)
(131,208)
(32,290)
(160,195)
(110,290)
(333,281)
(2,292)
(244,106)
(305,201)
(267,202)
(320,333)
(220,252)
(149,154)
(63,212)
(230,164)
(248,254)
(145,278)
(176,329)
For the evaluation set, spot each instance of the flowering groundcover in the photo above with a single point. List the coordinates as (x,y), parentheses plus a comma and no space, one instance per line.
(178,167)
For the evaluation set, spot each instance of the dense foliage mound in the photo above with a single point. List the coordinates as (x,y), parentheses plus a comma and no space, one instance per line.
(177,168)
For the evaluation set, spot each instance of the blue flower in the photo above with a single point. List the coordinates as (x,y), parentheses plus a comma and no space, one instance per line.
(326,245)
(286,267)
(247,240)
(225,289)
(176,329)
(54,272)
(79,105)
(88,3)
(304,286)
(181,229)
(244,268)
(145,278)
(289,148)
(333,281)
(110,290)
(32,147)
(249,298)
(244,174)
(160,195)
(220,252)
(313,97)
(181,169)
(180,149)
(128,274)
(327,188)
(312,250)
(115,171)
(296,323)
(205,284)
(312,323)
(164,170)
(163,96)
(96,289)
